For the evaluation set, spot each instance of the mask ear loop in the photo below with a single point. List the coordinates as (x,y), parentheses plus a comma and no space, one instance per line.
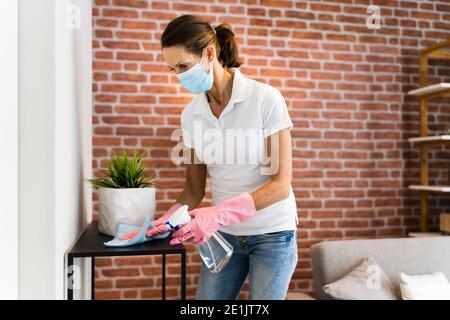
(203,53)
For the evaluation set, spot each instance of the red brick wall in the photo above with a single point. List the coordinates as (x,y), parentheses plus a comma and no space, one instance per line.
(345,88)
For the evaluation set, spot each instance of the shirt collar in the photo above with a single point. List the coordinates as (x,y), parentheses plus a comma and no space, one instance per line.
(239,92)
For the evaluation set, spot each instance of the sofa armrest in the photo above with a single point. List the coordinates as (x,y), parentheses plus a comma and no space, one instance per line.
(298,295)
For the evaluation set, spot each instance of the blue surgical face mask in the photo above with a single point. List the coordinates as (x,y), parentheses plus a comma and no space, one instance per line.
(196,79)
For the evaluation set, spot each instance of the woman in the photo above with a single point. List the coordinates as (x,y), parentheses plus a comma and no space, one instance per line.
(254,211)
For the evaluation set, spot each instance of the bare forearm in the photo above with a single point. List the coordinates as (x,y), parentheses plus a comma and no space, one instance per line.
(270,193)
(190,198)
(194,188)
(279,187)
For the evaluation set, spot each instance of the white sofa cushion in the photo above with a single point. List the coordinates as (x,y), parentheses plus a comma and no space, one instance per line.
(431,286)
(367,281)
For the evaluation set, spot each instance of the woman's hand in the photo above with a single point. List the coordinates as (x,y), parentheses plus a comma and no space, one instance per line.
(130,235)
(199,229)
(208,220)
(158,225)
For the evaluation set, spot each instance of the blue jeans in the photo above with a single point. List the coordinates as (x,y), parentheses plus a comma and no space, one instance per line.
(268,259)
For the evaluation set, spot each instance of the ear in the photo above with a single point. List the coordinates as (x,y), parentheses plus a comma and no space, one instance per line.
(210,53)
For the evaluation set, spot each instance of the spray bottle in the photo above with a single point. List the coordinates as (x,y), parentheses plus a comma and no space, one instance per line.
(216,252)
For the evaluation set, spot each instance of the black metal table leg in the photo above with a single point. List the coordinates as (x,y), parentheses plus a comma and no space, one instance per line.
(164,277)
(69,277)
(92,278)
(183,276)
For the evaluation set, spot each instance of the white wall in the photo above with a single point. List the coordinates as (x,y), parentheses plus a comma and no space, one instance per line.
(73,124)
(55,140)
(8,156)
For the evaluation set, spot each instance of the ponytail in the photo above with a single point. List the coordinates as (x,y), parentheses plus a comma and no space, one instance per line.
(195,34)
(228,50)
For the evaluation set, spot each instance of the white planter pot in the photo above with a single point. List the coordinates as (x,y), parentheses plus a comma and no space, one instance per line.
(124,206)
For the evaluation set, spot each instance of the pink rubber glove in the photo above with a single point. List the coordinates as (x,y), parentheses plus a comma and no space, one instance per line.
(157,223)
(160,227)
(208,220)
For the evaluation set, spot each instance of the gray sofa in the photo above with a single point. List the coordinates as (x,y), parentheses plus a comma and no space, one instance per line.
(331,260)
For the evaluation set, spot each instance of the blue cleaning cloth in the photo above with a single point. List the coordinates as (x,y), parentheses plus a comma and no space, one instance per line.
(123,228)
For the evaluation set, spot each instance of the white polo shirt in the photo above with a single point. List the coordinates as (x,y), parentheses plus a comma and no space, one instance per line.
(233,148)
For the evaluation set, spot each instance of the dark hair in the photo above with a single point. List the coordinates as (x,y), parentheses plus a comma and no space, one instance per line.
(195,34)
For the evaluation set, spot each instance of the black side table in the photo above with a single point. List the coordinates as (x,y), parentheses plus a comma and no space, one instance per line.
(90,244)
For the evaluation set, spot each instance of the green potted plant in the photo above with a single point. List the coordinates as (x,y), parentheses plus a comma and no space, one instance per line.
(126,194)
